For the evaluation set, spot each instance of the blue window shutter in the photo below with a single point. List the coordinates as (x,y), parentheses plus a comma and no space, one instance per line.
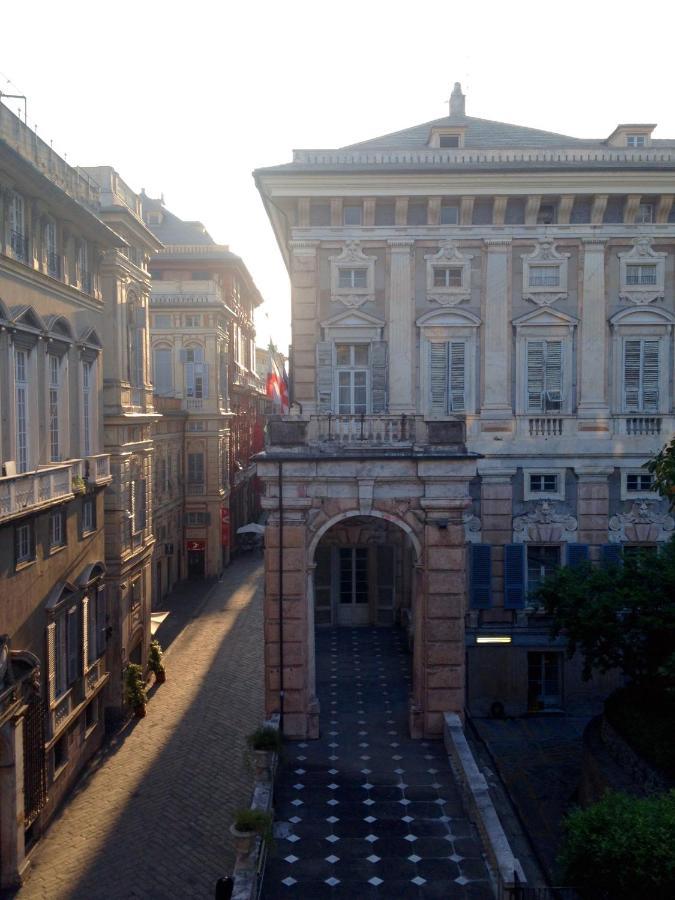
(514,576)
(611,554)
(577,554)
(481,576)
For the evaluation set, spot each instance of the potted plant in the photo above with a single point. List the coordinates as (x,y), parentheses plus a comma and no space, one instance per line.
(264,743)
(134,689)
(249,824)
(155,663)
(78,485)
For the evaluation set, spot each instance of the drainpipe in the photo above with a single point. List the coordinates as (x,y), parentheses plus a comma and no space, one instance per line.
(281,600)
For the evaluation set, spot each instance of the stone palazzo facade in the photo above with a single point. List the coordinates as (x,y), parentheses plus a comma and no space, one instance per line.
(482,361)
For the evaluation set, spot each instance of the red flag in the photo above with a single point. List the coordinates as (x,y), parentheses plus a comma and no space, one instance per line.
(277,388)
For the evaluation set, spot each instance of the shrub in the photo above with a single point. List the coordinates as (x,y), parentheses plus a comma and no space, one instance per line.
(622,848)
(645,718)
(134,686)
(253,820)
(155,655)
(265,738)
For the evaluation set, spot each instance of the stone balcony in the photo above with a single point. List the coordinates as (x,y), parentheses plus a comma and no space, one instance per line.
(40,489)
(97,469)
(388,434)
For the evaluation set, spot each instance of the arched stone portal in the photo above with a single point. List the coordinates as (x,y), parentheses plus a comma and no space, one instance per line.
(414,505)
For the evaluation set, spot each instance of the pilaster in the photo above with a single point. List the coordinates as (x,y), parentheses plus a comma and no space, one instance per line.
(593,506)
(593,408)
(496,515)
(401,328)
(497,331)
(304,287)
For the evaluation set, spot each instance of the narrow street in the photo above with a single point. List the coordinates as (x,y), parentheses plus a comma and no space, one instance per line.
(369,811)
(150,818)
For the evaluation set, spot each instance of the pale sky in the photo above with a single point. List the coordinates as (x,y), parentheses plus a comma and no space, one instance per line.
(187,100)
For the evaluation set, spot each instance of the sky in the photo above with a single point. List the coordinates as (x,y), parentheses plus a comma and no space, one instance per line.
(187,100)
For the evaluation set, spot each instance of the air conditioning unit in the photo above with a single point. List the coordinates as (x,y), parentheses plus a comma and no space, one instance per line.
(168,549)
(9,468)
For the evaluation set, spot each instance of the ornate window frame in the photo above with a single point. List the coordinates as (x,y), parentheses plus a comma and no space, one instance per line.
(449,256)
(529,494)
(441,325)
(545,324)
(639,494)
(544,255)
(642,322)
(352,257)
(642,254)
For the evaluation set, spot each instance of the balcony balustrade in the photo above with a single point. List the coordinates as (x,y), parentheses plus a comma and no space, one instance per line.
(639,425)
(23,493)
(97,469)
(545,426)
(359,429)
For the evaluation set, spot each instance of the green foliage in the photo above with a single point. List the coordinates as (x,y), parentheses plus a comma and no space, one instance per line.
(662,468)
(645,718)
(622,848)
(265,738)
(253,820)
(155,655)
(618,616)
(134,686)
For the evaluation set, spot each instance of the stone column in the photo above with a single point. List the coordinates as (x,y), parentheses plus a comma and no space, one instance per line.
(12,849)
(304,306)
(496,515)
(401,328)
(497,331)
(593,408)
(593,506)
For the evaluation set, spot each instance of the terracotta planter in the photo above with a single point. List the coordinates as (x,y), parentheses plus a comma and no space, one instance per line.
(244,842)
(160,677)
(263,760)
(139,711)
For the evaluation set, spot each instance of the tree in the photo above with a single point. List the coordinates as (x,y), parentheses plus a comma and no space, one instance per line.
(662,468)
(618,616)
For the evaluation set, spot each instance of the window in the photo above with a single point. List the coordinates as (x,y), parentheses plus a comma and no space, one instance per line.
(162,320)
(319,214)
(162,358)
(21,387)
(195,519)
(353,278)
(636,140)
(88,515)
(352,215)
(83,275)
(196,373)
(195,468)
(641,274)
(544,681)
(51,253)
(193,321)
(544,276)
(87,385)
(448,276)
(417,213)
(96,625)
(54,390)
(138,504)
(17,227)
(641,375)
(449,214)
(60,754)
(353,575)
(448,140)
(542,561)
(544,376)
(385,213)
(25,543)
(645,214)
(353,369)
(543,484)
(57,535)
(447,377)
(639,482)
(66,632)
(546,214)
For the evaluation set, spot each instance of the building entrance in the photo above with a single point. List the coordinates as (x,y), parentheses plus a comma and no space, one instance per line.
(196,562)
(361,585)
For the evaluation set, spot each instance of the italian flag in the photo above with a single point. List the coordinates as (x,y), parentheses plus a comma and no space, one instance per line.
(277,384)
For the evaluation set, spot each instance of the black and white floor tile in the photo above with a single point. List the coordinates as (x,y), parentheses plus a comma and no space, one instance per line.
(367,811)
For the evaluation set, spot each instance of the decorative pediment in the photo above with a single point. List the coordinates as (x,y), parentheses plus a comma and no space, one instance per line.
(4,312)
(547,523)
(546,317)
(642,524)
(642,316)
(353,324)
(449,275)
(352,276)
(89,338)
(27,317)
(642,273)
(62,591)
(544,274)
(59,327)
(448,318)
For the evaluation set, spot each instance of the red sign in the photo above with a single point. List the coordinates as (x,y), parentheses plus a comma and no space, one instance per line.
(195,545)
(225,526)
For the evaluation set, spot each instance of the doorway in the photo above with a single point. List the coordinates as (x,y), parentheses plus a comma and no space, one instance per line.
(195,563)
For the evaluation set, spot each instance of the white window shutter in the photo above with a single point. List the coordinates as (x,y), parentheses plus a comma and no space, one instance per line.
(553,374)
(85,631)
(535,375)
(51,662)
(438,378)
(650,376)
(457,376)
(324,376)
(631,375)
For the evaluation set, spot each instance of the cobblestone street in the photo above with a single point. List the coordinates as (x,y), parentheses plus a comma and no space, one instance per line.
(150,819)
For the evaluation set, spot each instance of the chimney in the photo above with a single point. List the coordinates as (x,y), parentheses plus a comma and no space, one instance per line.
(457,101)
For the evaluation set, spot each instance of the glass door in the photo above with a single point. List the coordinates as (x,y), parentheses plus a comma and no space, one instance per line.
(353,608)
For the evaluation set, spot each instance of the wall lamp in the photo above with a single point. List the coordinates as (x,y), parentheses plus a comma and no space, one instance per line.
(494,639)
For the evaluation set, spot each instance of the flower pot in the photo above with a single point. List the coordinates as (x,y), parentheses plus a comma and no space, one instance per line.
(160,676)
(263,760)
(244,842)
(139,711)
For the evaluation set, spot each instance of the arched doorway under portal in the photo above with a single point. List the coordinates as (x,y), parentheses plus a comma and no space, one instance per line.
(364,572)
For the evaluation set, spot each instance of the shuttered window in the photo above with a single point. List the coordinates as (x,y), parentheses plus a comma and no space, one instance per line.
(481,576)
(447,377)
(544,376)
(641,375)
(514,576)
(163,370)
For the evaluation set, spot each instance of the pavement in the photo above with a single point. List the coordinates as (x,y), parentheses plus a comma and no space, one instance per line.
(365,811)
(150,818)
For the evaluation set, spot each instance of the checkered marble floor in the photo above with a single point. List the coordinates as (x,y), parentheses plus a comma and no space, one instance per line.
(365,811)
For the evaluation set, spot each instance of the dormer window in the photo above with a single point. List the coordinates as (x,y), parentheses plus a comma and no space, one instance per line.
(448,140)
(636,140)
